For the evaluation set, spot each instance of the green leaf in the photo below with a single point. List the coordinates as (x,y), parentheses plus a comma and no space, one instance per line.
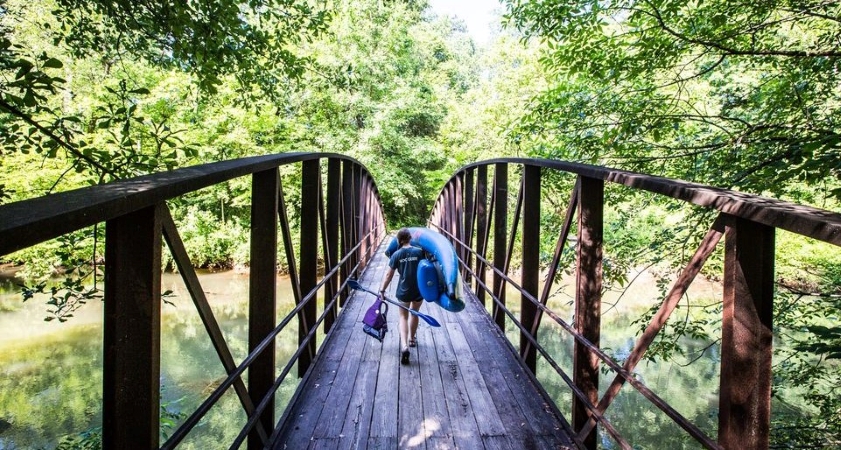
(53,63)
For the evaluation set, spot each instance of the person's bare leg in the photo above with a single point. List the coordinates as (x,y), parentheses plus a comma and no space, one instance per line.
(403,327)
(413,320)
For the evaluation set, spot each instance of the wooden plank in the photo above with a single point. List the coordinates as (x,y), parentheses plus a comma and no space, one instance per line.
(442,400)
(332,418)
(529,442)
(434,405)
(308,408)
(506,443)
(324,443)
(384,414)
(340,347)
(384,417)
(357,423)
(510,385)
(516,421)
(410,414)
(480,398)
(462,419)
(382,443)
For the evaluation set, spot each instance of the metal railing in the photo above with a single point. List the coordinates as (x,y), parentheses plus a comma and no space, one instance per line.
(464,211)
(349,217)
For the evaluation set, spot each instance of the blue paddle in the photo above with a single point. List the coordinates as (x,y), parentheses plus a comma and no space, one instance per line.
(430,320)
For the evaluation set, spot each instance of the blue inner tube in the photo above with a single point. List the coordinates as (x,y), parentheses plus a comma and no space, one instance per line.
(438,277)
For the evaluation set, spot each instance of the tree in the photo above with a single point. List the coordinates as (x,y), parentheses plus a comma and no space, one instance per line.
(252,42)
(740,94)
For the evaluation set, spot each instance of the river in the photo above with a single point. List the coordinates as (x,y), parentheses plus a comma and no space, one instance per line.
(50,372)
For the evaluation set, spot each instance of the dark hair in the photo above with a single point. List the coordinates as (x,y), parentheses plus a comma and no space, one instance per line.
(403,236)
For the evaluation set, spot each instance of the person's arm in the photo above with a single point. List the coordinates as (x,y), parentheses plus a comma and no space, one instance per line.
(387,280)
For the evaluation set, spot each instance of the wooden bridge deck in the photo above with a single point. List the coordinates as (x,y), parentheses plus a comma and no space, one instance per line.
(463,387)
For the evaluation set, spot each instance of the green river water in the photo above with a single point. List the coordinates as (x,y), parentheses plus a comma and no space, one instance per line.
(50,373)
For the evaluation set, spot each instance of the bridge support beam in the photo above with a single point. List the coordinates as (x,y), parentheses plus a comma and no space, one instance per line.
(262,295)
(500,225)
(347,225)
(746,341)
(132,332)
(331,236)
(310,184)
(531,260)
(481,228)
(588,301)
(469,224)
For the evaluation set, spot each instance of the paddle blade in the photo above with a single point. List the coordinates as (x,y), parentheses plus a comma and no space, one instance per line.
(353,284)
(428,319)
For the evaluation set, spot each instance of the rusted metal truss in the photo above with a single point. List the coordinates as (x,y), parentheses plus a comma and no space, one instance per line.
(348,217)
(746,222)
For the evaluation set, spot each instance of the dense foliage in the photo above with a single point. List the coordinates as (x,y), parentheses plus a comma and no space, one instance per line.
(738,94)
(730,93)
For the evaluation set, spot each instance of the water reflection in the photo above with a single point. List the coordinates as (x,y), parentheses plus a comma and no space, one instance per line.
(692,391)
(51,373)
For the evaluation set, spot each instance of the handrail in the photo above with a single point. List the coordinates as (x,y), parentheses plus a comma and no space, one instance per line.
(136,217)
(746,222)
(29,222)
(179,434)
(606,359)
(808,221)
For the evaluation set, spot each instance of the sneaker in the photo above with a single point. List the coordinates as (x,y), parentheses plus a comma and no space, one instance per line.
(404,357)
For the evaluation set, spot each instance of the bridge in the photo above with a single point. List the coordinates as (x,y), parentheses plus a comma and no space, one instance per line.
(467,385)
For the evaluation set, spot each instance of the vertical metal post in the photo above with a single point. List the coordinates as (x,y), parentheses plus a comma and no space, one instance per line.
(345,219)
(481,226)
(531,259)
(588,300)
(458,214)
(310,175)
(358,210)
(331,253)
(469,222)
(364,215)
(131,362)
(349,218)
(368,214)
(452,217)
(500,222)
(448,207)
(262,292)
(746,341)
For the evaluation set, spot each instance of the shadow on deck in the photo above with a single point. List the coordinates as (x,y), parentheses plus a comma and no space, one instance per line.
(463,388)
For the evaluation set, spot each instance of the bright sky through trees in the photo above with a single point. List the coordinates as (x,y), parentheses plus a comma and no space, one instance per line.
(477,14)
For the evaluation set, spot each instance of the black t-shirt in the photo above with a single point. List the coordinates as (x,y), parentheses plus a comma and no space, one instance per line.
(406,260)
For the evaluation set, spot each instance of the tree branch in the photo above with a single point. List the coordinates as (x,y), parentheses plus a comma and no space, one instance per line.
(735,51)
(19,114)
